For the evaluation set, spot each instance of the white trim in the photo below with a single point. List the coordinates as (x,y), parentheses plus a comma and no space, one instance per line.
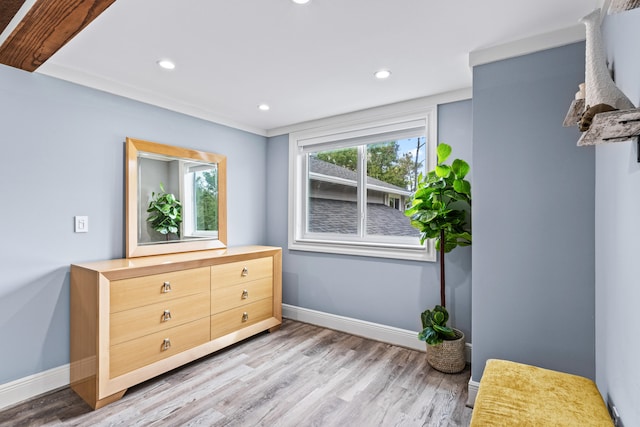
(361,328)
(33,385)
(472,392)
(137,94)
(367,250)
(403,108)
(528,45)
(356,134)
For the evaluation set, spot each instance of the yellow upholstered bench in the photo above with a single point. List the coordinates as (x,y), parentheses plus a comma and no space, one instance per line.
(515,394)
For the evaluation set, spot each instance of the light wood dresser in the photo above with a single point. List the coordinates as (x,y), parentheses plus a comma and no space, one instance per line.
(133,319)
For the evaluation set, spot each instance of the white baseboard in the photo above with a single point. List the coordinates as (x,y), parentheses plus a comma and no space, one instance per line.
(43,382)
(374,331)
(33,385)
(473,392)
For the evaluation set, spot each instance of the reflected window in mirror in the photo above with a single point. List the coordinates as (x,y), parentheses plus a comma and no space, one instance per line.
(200,199)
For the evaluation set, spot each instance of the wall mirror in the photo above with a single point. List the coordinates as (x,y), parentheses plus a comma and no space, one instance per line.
(176,199)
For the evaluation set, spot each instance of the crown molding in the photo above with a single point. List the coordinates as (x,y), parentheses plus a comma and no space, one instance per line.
(136,94)
(565,36)
(399,108)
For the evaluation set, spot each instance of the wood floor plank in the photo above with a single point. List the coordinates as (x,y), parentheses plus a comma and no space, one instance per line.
(300,375)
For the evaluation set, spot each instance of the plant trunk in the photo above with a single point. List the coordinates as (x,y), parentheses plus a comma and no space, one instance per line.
(442,247)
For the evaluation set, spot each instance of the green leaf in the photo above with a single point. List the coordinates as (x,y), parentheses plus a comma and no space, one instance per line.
(442,310)
(462,186)
(425,216)
(444,151)
(443,171)
(438,318)
(444,330)
(430,336)
(426,318)
(460,168)
(465,236)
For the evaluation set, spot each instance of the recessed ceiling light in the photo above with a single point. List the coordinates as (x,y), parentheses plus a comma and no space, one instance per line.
(264,107)
(382,74)
(301,1)
(167,64)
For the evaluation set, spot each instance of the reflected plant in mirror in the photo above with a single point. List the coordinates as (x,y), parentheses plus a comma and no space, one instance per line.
(165,213)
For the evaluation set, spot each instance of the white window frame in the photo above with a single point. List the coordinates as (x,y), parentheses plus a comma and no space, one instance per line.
(188,200)
(330,137)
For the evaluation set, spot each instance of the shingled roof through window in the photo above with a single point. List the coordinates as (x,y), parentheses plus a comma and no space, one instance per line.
(337,216)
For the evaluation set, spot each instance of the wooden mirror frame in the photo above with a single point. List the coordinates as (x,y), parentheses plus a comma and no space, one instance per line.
(133,249)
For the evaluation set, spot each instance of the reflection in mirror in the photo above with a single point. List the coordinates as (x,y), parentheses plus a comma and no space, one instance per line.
(176,199)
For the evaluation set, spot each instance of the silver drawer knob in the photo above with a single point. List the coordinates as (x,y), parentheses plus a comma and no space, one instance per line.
(245,271)
(166,344)
(245,316)
(245,294)
(166,287)
(166,316)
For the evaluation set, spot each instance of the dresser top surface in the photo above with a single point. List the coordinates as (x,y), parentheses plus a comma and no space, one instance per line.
(195,258)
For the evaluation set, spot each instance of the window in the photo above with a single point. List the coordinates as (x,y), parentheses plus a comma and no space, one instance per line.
(201,198)
(349,187)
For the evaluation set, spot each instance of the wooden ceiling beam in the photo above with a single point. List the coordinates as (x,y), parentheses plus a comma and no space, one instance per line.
(48,26)
(8,9)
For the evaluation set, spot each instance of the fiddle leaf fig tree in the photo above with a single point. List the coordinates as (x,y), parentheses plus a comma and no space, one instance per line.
(165,212)
(439,207)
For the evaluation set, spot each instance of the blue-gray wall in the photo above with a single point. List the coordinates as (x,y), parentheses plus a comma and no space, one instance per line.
(62,155)
(618,236)
(533,216)
(385,291)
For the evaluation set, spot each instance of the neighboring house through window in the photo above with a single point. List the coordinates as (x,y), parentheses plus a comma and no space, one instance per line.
(349,187)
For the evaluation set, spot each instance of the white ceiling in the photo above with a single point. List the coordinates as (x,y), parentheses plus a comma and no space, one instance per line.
(306,61)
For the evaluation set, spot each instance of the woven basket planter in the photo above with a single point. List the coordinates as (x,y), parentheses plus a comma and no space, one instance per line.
(449,355)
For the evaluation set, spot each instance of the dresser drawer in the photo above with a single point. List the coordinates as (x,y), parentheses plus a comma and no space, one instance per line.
(234,273)
(145,290)
(129,324)
(134,354)
(238,318)
(229,297)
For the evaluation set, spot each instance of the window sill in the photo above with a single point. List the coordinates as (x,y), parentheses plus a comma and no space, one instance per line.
(425,254)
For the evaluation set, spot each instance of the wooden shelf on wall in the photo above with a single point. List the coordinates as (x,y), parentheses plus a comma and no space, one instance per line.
(622,5)
(612,126)
(575,112)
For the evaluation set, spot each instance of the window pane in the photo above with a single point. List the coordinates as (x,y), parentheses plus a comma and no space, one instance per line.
(206,200)
(392,170)
(333,192)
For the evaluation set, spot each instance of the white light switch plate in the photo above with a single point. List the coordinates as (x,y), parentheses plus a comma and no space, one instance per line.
(82,224)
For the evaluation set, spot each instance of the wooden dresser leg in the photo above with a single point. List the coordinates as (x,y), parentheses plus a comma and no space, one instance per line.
(109,399)
(275,328)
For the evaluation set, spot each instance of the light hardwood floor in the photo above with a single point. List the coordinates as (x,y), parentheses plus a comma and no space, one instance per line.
(300,375)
